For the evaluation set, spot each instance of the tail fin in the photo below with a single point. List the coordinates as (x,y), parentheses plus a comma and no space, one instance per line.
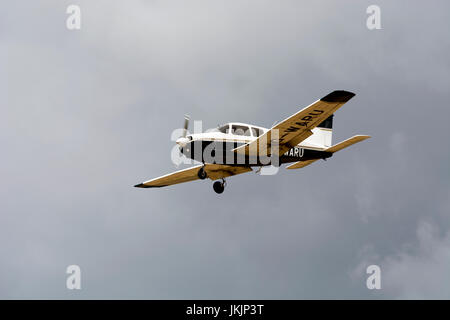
(323,133)
(347,143)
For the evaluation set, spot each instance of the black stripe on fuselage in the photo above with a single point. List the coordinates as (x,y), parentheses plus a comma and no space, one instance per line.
(221,153)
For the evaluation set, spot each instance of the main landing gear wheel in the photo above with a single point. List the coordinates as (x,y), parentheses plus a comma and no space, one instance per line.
(202,174)
(219,186)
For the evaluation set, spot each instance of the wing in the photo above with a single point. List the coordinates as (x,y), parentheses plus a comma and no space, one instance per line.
(220,171)
(213,171)
(297,127)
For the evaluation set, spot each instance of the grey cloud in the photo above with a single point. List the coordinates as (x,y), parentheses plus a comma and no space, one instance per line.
(87,114)
(418,270)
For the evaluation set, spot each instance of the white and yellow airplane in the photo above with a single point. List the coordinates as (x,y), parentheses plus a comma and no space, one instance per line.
(235,148)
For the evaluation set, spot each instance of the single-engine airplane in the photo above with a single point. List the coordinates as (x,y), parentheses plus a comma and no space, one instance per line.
(235,148)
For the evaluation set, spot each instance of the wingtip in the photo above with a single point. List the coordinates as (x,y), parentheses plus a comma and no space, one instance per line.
(145,186)
(338,96)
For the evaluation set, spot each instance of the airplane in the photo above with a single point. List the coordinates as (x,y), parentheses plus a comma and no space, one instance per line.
(234,148)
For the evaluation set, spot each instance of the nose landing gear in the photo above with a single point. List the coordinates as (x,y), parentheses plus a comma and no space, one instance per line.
(219,186)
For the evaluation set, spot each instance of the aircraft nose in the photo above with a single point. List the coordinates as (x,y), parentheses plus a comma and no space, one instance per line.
(182,141)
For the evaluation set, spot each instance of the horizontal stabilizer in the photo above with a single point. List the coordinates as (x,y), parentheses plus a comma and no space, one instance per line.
(301,164)
(346,143)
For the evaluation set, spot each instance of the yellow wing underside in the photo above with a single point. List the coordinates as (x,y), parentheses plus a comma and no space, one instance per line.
(213,171)
(293,130)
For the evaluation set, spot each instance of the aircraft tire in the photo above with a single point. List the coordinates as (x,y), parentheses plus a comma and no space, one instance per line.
(202,174)
(218,187)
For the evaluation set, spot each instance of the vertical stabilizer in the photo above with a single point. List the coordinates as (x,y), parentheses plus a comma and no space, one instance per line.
(323,133)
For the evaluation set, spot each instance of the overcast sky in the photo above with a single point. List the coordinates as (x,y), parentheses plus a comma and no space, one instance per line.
(86,114)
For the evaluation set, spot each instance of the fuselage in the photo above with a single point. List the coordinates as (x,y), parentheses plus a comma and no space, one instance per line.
(216,146)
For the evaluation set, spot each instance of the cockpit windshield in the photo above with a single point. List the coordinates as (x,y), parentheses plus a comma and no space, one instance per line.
(224,129)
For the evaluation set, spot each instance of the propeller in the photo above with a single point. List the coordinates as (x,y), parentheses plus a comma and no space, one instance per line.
(182,141)
(186,125)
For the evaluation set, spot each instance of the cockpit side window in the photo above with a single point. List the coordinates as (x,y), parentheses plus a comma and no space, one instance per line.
(240,130)
(256,132)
